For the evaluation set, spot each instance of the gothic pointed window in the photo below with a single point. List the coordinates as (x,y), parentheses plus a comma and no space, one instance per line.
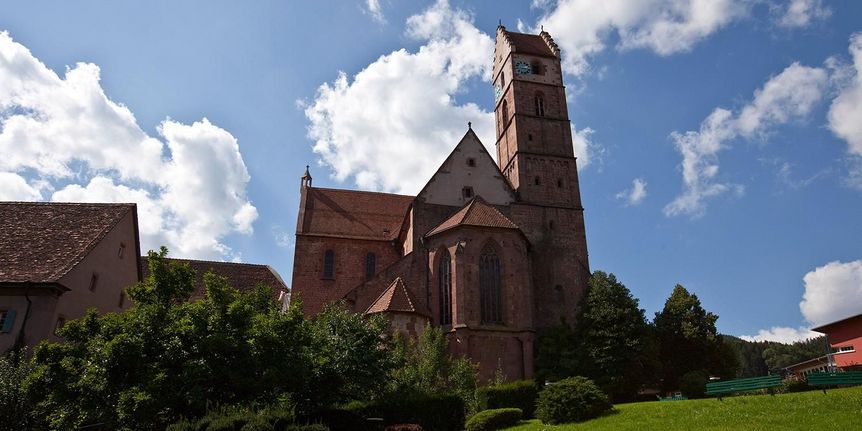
(444,283)
(370,263)
(540,104)
(489,287)
(505,113)
(329,264)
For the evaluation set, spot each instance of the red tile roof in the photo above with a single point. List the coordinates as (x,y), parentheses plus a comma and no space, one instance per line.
(476,213)
(353,214)
(530,44)
(41,241)
(241,276)
(394,298)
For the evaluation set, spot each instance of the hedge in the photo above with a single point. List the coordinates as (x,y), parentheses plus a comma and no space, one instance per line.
(494,419)
(521,394)
(431,412)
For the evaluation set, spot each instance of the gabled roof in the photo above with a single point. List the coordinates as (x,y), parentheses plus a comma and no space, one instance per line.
(241,276)
(394,298)
(476,213)
(40,242)
(352,214)
(532,43)
(823,328)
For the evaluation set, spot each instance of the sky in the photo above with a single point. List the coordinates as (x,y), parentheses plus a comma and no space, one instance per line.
(719,142)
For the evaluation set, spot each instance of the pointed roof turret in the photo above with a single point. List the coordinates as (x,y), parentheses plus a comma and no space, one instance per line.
(306,178)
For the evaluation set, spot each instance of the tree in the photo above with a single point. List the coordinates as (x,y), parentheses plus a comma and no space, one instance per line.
(777,356)
(612,335)
(166,358)
(688,340)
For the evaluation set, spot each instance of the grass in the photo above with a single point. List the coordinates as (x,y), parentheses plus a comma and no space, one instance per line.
(837,409)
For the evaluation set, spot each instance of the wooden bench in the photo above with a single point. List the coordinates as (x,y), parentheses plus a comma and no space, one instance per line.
(835,379)
(742,385)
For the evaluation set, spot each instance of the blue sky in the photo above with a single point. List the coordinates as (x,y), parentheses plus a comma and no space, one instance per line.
(720,142)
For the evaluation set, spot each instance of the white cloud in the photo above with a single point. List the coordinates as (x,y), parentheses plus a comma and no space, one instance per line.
(832,291)
(391,124)
(801,13)
(636,194)
(65,133)
(782,334)
(792,94)
(582,28)
(14,187)
(375,10)
(584,146)
(846,110)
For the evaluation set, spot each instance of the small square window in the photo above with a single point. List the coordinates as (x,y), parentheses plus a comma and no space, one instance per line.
(3,316)
(121,250)
(467,192)
(471,162)
(529,136)
(537,181)
(559,182)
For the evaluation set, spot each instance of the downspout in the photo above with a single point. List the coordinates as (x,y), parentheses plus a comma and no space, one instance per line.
(19,339)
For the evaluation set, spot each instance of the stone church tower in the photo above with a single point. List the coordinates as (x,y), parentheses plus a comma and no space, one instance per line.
(489,251)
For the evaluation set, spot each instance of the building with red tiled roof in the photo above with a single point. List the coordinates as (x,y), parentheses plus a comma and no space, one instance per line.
(490,251)
(241,276)
(59,259)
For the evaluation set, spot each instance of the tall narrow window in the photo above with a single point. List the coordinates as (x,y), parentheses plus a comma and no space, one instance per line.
(540,105)
(503,79)
(489,287)
(444,282)
(329,264)
(505,113)
(370,262)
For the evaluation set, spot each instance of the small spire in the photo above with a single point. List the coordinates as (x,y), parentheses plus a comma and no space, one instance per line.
(306,178)
(470,125)
(542,27)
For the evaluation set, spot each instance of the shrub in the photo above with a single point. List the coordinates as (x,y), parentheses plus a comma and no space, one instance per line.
(495,419)
(571,400)
(798,386)
(520,394)
(693,384)
(404,427)
(339,419)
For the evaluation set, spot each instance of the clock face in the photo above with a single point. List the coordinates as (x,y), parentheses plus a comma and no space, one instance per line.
(498,91)
(523,68)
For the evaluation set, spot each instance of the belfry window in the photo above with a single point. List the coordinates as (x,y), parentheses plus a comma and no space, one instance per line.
(489,287)
(370,263)
(329,264)
(444,283)
(540,105)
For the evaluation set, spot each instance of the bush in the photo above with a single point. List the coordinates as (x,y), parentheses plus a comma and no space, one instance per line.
(339,419)
(495,419)
(798,386)
(571,400)
(432,412)
(693,384)
(520,394)
(404,427)
(232,418)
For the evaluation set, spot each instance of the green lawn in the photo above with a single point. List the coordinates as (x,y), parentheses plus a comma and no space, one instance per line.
(838,409)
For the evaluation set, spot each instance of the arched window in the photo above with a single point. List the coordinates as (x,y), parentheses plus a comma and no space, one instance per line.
(505,113)
(444,283)
(540,104)
(370,262)
(489,287)
(502,79)
(329,264)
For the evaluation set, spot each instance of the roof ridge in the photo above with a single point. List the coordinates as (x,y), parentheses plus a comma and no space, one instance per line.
(361,191)
(212,261)
(400,282)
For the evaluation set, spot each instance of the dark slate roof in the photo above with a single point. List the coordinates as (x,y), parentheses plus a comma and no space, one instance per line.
(241,276)
(41,241)
(353,214)
(394,298)
(530,44)
(476,213)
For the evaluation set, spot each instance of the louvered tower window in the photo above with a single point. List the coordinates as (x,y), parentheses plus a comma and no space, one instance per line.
(370,263)
(489,287)
(329,264)
(444,282)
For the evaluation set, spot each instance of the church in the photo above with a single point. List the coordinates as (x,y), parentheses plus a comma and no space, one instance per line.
(489,251)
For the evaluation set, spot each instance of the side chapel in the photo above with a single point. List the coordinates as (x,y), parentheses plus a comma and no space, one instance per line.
(488,251)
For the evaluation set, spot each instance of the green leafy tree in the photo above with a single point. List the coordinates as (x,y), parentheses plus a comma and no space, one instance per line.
(777,356)
(688,340)
(613,338)
(166,358)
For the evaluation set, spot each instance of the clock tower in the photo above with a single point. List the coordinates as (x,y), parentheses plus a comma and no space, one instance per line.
(535,153)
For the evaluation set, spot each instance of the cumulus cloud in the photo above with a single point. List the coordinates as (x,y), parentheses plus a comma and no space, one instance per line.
(663,26)
(832,292)
(634,195)
(800,13)
(374,9)
(791,94)
(846,110)
(63,138)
